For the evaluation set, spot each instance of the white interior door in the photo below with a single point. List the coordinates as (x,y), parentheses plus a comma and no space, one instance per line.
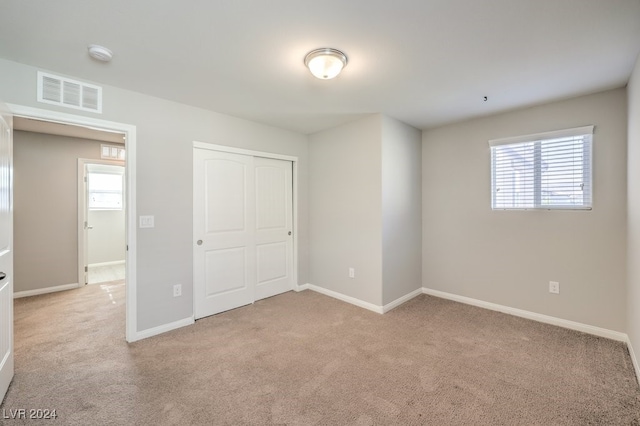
(242,230)
(224,265)
(6,253)
(274,242)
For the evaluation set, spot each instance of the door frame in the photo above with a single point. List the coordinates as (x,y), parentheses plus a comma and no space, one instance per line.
(294,193)
(129,130)
(82,209)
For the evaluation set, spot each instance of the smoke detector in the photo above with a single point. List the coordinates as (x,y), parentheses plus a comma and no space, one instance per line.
(100,53)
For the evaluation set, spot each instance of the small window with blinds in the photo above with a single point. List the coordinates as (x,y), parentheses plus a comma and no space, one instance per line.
(543,171)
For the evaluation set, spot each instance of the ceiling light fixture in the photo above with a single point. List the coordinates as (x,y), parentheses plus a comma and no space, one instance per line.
(325,63)
(100,53)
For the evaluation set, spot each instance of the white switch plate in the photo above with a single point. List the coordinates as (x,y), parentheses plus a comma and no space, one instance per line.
(177,290)
(352,273)
(554,287)
(146,222)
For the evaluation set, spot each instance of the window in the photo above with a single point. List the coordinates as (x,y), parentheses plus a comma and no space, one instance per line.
(543,171)
(105,191)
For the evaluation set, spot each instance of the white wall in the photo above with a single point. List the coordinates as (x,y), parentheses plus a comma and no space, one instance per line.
(107,237)
(365,209)
(633,219)
(508,257)
(165,133)
(46,208)
(345,209)
(401,209)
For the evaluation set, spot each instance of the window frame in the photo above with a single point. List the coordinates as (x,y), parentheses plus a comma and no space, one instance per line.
(537,139)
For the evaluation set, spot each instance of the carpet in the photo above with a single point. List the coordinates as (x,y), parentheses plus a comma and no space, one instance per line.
(307,359)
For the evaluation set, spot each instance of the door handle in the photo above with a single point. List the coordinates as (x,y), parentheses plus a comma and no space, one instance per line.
(199,242)
(2,276)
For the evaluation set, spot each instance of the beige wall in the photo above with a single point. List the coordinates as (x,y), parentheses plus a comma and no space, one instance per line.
(46,208)
(165,134)
(345,212)
(633,220)
(508,257)
(401,209)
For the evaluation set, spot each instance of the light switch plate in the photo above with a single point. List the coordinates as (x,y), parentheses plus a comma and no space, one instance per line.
(146,222)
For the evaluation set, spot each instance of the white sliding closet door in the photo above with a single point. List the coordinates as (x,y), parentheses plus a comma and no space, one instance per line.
(274,248)
(242,230)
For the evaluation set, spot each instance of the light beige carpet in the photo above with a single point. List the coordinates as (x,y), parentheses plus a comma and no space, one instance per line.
(306,359)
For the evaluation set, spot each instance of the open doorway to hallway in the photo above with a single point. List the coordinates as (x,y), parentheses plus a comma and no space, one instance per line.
(47,201)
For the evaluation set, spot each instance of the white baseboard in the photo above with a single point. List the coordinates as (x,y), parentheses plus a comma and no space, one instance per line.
(301,287)
(585,328)
(113,263)
(37,291)
(389,306)
(344,298)
(634,359)
(149,332)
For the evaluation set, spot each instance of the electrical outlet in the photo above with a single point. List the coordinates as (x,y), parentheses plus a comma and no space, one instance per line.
(177,290)
(554,287)
(352,273)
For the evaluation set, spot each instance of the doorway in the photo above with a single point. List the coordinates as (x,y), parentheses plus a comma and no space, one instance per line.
(101,221)
(129,132)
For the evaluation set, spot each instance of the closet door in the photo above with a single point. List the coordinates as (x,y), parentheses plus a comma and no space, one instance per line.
(242,230)
(274,241)
(224,231)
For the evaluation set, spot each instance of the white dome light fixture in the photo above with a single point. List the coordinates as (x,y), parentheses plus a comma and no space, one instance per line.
(100,53)
(325,63)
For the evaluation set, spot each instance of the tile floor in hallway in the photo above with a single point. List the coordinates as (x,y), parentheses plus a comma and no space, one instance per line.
(101,274)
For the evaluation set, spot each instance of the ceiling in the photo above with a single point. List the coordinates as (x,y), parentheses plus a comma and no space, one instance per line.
(75,131)
(424,62)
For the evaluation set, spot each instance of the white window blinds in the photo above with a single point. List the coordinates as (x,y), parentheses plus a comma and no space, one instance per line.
(543,171)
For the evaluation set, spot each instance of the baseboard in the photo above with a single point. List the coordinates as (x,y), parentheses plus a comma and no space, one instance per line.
(389,306)
(301,287)
(345,298)
(113,263)
(634,359)
(572,325)
(149,332)
(36,292)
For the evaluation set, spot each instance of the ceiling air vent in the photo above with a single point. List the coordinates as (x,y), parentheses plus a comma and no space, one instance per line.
(62,91)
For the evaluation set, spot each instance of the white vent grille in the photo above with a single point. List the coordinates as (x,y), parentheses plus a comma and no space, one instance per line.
(62,91)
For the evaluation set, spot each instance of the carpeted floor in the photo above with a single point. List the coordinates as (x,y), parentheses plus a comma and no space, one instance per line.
(306,359)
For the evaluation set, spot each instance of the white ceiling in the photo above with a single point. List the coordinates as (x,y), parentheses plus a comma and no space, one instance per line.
(51,128)
(424,62)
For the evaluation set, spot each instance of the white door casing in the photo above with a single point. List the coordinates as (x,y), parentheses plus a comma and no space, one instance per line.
(6,251)
(132,333)
(243,223)
(84,227)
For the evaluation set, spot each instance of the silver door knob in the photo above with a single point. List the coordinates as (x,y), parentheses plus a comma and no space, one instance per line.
(199,242)
(289,232)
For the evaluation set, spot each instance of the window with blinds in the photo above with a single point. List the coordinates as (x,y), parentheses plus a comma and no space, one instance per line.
(543,171)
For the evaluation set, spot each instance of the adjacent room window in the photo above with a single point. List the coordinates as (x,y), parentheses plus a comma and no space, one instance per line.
(543,171)
(105,191)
